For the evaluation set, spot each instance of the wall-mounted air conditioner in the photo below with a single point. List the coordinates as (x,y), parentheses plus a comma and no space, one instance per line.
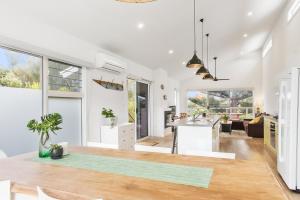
(110,64)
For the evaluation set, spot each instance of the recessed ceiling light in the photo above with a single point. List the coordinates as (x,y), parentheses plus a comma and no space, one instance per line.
(184,63)
(141,25)
(171,51)
(250,13)
(245,35)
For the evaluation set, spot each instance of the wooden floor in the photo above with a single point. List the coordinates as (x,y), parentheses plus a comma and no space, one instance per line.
(245,149)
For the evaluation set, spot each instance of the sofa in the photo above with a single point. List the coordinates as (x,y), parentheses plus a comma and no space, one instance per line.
(255,128)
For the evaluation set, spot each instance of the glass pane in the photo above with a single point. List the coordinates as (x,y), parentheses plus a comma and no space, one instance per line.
(218,99)
(64,77)
(131,100)
(19,70)
(142,100)
(197,101)
(70,109)
(21,100)
(241,98)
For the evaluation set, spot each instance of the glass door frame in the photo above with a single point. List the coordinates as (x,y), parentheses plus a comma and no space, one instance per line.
(149,105)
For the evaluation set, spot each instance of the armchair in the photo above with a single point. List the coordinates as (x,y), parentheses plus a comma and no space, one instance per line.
(255,130)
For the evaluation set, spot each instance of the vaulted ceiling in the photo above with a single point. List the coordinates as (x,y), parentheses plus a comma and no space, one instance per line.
(168,25)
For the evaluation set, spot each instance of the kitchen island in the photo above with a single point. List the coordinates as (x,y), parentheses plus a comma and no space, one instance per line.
(200,135)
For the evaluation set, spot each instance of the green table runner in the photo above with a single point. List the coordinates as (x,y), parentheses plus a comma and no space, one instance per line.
(179,174)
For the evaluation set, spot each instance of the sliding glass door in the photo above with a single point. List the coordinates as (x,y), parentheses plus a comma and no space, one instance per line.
(138,107)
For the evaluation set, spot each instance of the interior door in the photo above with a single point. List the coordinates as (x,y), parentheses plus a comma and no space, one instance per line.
(142,109)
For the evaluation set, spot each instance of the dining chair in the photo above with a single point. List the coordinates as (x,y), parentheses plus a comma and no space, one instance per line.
(2,154)
(144,148)
(43,196)
(5,193)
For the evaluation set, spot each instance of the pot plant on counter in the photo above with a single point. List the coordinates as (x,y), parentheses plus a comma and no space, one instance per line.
(110,117)
(49,124)
(56,151)
(225,119)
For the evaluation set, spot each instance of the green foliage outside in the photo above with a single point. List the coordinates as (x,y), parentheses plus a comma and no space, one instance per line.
(20,71)
(221,102)
(131,107)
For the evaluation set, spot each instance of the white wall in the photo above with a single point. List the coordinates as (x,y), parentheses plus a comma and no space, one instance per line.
(17,107)
(28,34)
(284,55)
(160,105)
(244,72)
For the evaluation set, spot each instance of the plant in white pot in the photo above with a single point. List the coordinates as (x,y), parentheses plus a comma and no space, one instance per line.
(109,115)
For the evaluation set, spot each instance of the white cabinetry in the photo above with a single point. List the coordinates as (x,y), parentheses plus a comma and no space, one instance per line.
(118,137)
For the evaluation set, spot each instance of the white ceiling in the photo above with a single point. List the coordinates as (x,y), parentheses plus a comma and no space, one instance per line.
(168,25)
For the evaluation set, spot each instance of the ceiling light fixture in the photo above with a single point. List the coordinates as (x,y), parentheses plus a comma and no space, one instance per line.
(250,13)
(202,71)
(184,63)
(245,35)
(207,76)
(141,25)
(171,51)
(195,62)
(135,1)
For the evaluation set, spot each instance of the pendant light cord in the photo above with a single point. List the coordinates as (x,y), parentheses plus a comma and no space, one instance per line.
(207,52)
(202,21)
(215,58)
(195,39)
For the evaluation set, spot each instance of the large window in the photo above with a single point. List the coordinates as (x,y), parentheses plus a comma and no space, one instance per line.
(231,101)
(64,77)
(19,70)
(20,100)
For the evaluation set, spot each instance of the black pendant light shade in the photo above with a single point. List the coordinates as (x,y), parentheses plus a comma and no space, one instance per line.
(207,76)
(195,62)
(202,71)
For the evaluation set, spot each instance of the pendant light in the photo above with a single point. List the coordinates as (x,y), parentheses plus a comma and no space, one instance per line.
(135,1)
(195,62)
(202,71)
(207,76)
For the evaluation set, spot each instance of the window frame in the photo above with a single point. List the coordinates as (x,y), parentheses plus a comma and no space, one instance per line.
(230,108)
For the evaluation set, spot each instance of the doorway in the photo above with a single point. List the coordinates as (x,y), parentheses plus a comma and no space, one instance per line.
(138,107)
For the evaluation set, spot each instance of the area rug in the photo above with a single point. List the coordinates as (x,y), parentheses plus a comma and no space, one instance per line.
(178,174)
(236,134)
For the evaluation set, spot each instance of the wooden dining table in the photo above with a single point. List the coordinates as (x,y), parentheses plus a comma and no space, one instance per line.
(231,179)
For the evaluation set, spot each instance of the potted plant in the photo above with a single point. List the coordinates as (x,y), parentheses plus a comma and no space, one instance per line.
(49,124)
(225,118)
(108,114)
(56,151)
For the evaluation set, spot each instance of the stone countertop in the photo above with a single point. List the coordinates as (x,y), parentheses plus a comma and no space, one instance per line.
(270,117)
(202,122)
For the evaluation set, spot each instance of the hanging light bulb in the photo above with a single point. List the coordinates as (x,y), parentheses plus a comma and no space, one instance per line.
(207,76)
(135,1)
(195,62)
(202,71)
